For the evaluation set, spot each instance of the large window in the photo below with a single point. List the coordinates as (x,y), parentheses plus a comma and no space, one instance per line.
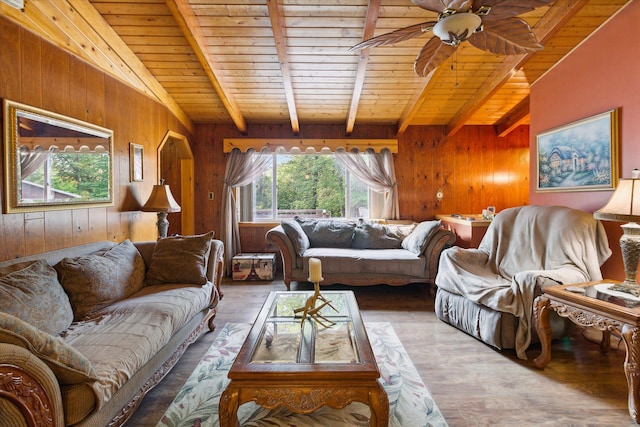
(309,185)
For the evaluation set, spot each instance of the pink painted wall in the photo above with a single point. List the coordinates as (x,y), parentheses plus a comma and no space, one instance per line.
(601,74)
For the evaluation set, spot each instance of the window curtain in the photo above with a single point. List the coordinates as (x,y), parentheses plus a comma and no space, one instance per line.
(30,161)
(242,169)
(378,174)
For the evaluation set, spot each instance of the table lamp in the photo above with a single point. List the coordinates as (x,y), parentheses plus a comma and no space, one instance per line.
(161,200)
(624,205)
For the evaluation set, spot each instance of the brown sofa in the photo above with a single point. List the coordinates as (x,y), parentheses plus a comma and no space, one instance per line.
(361,252)
(133,314)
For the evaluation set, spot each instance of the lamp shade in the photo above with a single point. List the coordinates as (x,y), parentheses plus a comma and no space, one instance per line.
(161,200)
(624,204)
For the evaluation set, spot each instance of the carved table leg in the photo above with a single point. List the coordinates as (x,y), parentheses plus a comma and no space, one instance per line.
(228,408)
(631,337)
(543,327)
(379,404)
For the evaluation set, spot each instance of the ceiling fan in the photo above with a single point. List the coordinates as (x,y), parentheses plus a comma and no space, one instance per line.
(489,25)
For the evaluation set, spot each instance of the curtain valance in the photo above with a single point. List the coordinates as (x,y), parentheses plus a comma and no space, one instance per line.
(301,144)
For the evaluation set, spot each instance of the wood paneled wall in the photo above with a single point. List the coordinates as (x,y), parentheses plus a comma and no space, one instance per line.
(474,168)
(37,73)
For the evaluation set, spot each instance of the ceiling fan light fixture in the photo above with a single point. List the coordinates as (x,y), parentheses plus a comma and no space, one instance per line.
(458,27)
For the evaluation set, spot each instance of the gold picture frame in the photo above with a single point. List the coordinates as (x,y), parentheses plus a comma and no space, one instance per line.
(579,156)
(136,162)
(52,161)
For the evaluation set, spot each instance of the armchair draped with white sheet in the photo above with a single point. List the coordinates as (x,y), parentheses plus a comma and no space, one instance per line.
(488,292)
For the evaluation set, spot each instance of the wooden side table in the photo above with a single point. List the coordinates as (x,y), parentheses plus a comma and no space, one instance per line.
(592,304)
(469,229)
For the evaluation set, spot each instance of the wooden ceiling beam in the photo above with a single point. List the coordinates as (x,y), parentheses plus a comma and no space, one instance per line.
(373,10)
(515,117)
(547,26)
(276,14)
(188,22)
(415,103)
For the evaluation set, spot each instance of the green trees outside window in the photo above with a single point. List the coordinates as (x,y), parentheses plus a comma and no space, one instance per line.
(309,182)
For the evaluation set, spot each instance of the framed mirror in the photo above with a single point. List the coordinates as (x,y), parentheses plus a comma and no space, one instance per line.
(54,162)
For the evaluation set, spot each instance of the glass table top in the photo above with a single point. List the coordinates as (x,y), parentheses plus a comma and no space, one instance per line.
(285,339)
(607,292)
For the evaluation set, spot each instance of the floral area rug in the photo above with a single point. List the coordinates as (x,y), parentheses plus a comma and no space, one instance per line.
(411,405)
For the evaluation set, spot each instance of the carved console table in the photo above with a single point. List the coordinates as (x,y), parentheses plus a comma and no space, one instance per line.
(592,304)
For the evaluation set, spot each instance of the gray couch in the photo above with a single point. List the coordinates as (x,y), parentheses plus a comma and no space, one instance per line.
(361,252)
(488,292)
(127,315)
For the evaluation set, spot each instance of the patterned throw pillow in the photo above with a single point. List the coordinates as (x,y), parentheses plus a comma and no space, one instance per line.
(97,280)
(418,240)
(31,291)
(180,259)
(69,365)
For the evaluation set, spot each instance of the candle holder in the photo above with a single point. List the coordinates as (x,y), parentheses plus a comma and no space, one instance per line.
(312,309)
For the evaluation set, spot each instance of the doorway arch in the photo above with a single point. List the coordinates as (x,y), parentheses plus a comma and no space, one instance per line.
(176,167)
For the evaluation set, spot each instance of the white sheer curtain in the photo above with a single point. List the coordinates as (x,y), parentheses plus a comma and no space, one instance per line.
(378,174)
(30,161)
(242,169)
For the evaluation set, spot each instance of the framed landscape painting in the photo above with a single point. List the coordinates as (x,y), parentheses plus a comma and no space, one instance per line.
(580,156)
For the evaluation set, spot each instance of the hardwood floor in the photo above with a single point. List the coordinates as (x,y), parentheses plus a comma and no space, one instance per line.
(472,383)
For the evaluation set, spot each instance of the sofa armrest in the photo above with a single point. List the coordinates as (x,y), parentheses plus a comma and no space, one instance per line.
(439,241)
(278,237)
(29,391)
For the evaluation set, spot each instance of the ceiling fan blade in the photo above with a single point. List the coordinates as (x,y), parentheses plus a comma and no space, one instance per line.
(440,5)
(396,36)
(432,54)
(501,9)
(511,36)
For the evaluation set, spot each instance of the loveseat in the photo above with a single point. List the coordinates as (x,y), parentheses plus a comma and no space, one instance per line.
(488,292)
(87,331)
(359,252)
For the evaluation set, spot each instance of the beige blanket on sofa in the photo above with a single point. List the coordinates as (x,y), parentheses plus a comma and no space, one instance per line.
(525,247)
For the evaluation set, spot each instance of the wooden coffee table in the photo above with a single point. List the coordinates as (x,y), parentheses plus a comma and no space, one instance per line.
(592,304)
(304,367)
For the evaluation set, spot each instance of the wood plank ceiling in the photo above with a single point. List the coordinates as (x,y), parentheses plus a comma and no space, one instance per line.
(276,61)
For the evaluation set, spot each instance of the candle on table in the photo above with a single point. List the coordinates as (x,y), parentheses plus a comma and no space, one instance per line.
(315,270)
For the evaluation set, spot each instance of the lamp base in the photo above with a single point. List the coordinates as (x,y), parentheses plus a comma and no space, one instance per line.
(163,225)
(630,247)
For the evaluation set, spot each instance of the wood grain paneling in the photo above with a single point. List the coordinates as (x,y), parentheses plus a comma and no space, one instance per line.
(475,168)
(40,74)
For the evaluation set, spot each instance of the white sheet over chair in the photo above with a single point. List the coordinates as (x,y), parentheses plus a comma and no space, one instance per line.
(524,247)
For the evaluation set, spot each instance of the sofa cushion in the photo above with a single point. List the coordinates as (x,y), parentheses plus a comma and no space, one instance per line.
(30,291)
(180,259)
(97,280)
(371,262)
(418,240)
(69,365)
(375,235)
(122,337)
(328,233)
(298,237)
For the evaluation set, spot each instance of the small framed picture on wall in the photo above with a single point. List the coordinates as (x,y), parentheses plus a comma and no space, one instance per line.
(136,162)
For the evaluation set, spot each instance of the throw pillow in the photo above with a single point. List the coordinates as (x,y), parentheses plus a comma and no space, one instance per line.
(180,259)
(68,364)
(297,235)
(31,292)
(373,236)
(97,280)
(328,233)
(418,240)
